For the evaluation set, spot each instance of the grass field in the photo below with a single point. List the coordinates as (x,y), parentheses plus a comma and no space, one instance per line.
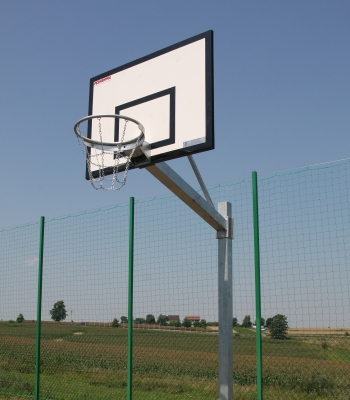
(86,362)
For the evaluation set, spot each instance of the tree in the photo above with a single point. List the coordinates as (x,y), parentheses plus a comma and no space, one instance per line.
(115,323)
(123,320)
(175,323)
(262,321)
(139,321)
(161,320)
(279,327)
(269,322)
(234,322)
(150,319)
(58,313)
(20,318)
(196,324)
(203,323)
(186,323)
(247,323)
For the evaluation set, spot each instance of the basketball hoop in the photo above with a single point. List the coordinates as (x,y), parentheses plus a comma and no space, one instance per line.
(104,156)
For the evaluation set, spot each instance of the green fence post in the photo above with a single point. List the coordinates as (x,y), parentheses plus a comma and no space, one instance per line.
(257,285)
(130,297)
(38,311)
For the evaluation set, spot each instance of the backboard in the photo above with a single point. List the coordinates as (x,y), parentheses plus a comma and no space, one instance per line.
(170,92)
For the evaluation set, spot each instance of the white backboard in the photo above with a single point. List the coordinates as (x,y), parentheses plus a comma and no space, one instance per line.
(170,92)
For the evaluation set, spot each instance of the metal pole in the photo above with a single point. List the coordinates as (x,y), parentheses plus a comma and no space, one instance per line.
(225,310)
(257,286)
(130,298)
(222,222)
(38,315)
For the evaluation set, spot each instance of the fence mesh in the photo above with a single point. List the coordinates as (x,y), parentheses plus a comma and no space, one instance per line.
(85,266)
(305,245)
(175,277)
(19,249)
(304,242)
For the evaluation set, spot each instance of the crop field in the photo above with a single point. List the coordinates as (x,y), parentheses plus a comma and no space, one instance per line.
(87,362)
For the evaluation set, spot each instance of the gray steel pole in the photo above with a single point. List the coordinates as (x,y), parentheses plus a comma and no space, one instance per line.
(225,310)
(222,222)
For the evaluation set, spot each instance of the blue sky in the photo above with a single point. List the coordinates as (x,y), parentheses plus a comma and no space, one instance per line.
(282,90)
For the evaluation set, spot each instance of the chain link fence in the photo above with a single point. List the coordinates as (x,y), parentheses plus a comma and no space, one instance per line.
(18,300)
(305,248)
(305,279)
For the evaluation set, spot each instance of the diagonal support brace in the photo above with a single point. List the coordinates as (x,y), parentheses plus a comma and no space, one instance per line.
(189,196)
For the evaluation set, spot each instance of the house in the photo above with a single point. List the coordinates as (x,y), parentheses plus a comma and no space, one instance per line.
(172,317)
(193,318)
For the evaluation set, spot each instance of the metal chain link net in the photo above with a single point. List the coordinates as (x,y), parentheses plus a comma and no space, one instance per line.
(95,161)
(305,245)
(305,248)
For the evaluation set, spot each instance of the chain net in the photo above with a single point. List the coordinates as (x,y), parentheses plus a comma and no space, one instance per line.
(104,164)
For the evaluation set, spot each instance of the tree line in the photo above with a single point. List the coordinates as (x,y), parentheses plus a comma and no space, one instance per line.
(59,313)
(162,320)
(277,325)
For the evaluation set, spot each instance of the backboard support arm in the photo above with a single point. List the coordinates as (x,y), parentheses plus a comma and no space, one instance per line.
(169,178)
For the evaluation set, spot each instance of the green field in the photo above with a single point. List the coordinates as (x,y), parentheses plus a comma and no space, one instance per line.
(84,363)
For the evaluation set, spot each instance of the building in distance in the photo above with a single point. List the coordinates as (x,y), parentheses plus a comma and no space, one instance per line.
(172,317)
(193,318)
